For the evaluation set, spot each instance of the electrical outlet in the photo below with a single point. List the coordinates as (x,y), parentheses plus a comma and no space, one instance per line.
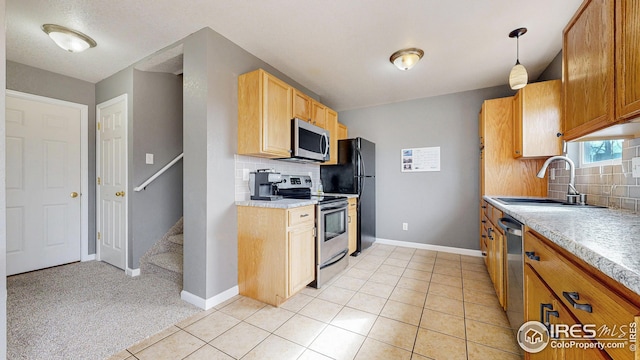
(552,174)
(149,159)
(245,174)
(635,167)
(405,226)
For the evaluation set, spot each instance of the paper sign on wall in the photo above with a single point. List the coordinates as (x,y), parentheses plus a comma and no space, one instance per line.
(421,159)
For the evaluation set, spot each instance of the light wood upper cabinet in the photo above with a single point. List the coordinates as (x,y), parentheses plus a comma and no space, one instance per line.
(601,86)
(318,114)
(264,115)
(332,125)
(536,120)
(301,106)
(500,173)
(627,59)
(343,131)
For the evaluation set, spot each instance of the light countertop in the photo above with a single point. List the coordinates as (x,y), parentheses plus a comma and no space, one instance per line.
(277,204)
(604,238)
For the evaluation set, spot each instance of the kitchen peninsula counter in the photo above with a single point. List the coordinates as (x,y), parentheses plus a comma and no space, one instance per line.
(607,239)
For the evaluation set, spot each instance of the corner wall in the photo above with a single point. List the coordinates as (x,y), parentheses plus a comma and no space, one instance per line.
(441,208)
(212,65)
(3,204)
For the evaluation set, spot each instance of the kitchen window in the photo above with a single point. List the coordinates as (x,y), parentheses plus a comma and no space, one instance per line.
(598,153)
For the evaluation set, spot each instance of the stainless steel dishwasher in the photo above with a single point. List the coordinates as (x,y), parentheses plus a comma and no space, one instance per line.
(515,271)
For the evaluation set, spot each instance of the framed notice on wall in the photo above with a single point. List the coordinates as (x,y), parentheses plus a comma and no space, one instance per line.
(421,159)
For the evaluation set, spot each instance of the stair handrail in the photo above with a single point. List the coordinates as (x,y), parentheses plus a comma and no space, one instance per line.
(160,172)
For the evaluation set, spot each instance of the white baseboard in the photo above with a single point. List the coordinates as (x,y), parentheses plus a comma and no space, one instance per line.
(133,272)
(453,250)
(90,257)
(207,304)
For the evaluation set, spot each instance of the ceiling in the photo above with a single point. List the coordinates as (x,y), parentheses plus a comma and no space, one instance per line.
(338,49)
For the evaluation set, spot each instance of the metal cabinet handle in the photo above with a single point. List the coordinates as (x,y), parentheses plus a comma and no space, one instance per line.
(532,255)
(349,217)
(484,254)
(547,323)
(484,206)
(572,297)
(489,232)
(542,308)
(304,215)
(484,221)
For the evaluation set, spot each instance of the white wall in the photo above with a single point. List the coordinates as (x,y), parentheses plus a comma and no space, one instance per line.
(3,204)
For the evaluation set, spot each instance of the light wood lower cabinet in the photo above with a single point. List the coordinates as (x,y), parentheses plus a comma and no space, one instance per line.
(493,247)
(584,293)
(353,225)
(543,306)
(276,252)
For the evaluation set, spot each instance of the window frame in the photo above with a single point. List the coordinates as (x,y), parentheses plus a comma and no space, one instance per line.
(583,164)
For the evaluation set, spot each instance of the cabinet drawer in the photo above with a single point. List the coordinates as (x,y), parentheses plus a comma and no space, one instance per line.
(590,301)
(301,215)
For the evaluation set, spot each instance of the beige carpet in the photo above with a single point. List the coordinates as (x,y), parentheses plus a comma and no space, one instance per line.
(87,311)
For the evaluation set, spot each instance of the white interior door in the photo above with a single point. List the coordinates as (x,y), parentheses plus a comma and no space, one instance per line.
(43,184)
(112,181)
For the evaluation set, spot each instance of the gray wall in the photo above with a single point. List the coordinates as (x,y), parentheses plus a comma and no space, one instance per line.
(553,70)
(35,81)
(3,204)
(157,129)
(441,208)
(212,65)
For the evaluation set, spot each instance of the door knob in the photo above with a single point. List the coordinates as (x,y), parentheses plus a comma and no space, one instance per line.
(120,193)
(74,194)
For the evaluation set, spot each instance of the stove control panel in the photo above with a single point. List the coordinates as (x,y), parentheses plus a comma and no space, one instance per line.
(295,182)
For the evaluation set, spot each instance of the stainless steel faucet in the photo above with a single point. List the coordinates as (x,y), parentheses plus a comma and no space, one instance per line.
(572,194)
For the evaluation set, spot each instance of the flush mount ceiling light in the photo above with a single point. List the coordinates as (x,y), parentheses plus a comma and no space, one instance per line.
(68,39)
(405,59)
(518,76)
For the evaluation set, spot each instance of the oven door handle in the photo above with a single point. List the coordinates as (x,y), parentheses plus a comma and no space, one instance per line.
(340,256)
(331,209)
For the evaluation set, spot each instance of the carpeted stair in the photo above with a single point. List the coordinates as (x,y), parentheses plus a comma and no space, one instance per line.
(165,258)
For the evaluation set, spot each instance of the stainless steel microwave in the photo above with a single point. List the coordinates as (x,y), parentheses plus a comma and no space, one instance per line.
(309,143)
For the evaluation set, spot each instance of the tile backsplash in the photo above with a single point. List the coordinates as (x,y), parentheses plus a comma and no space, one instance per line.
(251,164)
(609,185)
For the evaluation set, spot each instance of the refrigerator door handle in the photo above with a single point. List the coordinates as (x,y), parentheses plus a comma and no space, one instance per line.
(361,175)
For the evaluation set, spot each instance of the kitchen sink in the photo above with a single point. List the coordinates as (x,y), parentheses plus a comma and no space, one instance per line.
(540,202)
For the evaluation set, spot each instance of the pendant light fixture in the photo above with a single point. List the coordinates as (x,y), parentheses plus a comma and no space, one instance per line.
(405,59)
(68,39)
(518,77)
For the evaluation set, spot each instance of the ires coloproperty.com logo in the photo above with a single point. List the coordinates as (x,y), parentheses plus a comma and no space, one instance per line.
(534,336)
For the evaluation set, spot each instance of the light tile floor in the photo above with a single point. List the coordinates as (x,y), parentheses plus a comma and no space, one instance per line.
(391,303)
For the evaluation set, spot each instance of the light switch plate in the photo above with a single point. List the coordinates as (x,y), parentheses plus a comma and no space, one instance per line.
(635,167)
(149,159)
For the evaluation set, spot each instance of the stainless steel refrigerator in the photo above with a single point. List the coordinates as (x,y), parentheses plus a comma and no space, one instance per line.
(355,173)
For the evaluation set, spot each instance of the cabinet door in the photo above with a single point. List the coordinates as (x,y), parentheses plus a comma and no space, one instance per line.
(543,306)
(318,114)
(332,126)
(627,59)
(343,132)
(353,225)
(588,69)
(498,247)
(301,247)
(276,116)
(301,106)
(537,120)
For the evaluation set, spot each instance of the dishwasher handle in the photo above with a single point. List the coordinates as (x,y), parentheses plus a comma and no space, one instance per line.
(510,226)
